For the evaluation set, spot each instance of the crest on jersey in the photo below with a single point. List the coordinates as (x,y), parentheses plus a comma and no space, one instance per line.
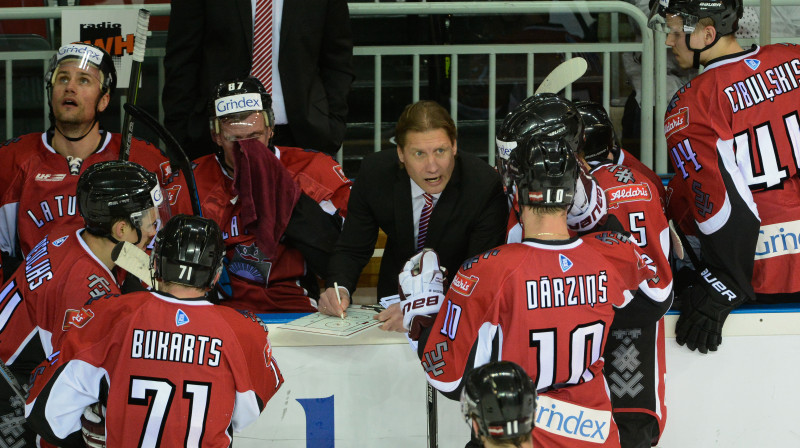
(181,318)
(564,262)
(339,172)
(752,63)
(76,318)
(60,241)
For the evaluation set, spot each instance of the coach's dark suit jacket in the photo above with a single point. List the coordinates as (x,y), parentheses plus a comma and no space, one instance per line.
(469,218)
(210,41)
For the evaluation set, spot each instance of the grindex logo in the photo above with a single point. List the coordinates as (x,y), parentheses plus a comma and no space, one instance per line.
(463,284)
(572,421)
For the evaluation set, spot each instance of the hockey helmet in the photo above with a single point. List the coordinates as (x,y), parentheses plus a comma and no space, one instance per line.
(233,102)
(87,57)
(598,130)
(189,251)
(687,13)
(547,115)
(114,190)
(544,171)
(501,397)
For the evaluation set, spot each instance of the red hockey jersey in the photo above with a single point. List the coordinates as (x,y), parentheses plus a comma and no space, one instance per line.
(634,200)
(733,135)
(546,306)
(175,372)
(321,178)
(37,191)
(44,298)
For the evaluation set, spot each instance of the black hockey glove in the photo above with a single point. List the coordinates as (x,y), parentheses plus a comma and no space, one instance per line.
(704,308)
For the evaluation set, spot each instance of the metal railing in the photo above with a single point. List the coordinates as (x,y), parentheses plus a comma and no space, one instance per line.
(653,95)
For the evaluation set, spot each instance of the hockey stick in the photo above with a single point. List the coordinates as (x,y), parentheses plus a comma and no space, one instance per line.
(12,380)
(173,150)
(686,246)
(139,44)
(433,432)
(134,260)
(563,75)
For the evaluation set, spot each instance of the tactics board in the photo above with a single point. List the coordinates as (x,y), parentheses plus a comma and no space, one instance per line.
(356,321)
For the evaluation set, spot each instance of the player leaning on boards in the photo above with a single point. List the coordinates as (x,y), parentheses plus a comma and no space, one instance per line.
(40,170)
(498,402)
(570,287)
(168,367)
(733,133)
(119,201)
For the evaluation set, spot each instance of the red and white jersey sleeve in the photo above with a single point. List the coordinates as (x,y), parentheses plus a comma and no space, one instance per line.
(319,176)
(44,298)
(176,373)
(37,191)
(635,201)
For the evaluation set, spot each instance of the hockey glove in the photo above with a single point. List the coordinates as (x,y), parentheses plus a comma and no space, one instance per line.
(421,291)
(589,203)
(704,308)
(93,427)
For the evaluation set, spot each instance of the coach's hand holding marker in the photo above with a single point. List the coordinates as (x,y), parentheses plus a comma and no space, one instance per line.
(339,298)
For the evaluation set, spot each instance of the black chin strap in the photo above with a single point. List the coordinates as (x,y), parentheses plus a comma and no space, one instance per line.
(76,139)
(696,59)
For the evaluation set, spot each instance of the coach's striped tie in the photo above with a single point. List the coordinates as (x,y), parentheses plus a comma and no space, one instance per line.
(262,44)
(424,219)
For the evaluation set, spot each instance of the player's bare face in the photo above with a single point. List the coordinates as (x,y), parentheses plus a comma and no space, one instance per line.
(429,158)
(676,39)
(232,131)
(77,94)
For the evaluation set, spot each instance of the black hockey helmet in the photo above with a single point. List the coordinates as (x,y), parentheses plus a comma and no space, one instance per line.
(237,99)
(724,13)
(87,57)
(114,190)
(501,397)
(598,130)
(189,251)
(544,171)
(545,114)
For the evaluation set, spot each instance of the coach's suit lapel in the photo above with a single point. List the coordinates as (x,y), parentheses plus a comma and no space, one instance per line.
(245,11)
(403,212)
(445,207)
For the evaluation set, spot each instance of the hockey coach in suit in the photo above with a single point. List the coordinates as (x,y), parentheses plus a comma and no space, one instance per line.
(211,41)
(469,210)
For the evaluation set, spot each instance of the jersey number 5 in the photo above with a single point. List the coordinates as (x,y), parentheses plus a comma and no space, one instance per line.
(158,393)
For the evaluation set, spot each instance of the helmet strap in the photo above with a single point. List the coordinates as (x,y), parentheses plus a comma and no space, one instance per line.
(696,58)
(77,139)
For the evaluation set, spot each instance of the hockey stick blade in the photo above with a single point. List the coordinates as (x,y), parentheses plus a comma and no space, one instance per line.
(565,74)
(173,150)
(134,260)
(139,45)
